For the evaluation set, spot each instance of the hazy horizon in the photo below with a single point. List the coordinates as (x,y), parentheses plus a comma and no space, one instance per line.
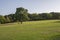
(34,6)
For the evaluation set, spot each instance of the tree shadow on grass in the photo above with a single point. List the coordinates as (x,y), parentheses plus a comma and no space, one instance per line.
(55,37)
(57,22)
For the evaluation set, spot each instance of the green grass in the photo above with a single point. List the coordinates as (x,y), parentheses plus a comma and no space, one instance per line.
(33,30)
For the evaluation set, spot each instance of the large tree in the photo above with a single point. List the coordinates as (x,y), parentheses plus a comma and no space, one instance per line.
(21,14)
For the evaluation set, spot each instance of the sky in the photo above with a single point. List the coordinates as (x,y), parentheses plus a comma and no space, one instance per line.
(33,6)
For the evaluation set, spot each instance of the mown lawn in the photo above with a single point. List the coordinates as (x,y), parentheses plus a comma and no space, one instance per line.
(33,30)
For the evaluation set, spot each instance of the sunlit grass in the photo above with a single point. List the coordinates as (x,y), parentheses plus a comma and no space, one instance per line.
(32,30)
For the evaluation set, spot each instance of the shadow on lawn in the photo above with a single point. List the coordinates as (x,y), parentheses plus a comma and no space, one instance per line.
(55,37)
(57,22)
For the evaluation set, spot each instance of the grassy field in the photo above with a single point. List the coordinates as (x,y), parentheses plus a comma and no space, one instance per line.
(33,30)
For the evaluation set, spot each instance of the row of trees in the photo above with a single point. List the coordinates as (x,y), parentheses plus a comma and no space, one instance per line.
(22,15)
(44,16)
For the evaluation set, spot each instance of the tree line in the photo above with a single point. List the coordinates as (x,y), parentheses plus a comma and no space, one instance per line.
(22,15)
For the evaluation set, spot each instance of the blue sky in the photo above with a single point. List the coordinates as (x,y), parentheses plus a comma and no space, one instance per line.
(38,6)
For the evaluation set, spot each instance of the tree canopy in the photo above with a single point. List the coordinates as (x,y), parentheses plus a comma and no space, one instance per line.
(22,15)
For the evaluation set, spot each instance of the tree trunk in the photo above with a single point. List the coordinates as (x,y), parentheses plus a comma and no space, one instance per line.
(21,22)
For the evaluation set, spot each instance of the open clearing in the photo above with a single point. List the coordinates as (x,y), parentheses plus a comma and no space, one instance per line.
(33,30)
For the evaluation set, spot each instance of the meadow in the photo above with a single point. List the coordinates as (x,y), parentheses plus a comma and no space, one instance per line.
(31,30)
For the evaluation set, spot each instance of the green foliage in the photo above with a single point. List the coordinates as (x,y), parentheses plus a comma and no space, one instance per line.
(12,17)
(7,19)
(2,19)
(21,14)
(55,15)
(34,16)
